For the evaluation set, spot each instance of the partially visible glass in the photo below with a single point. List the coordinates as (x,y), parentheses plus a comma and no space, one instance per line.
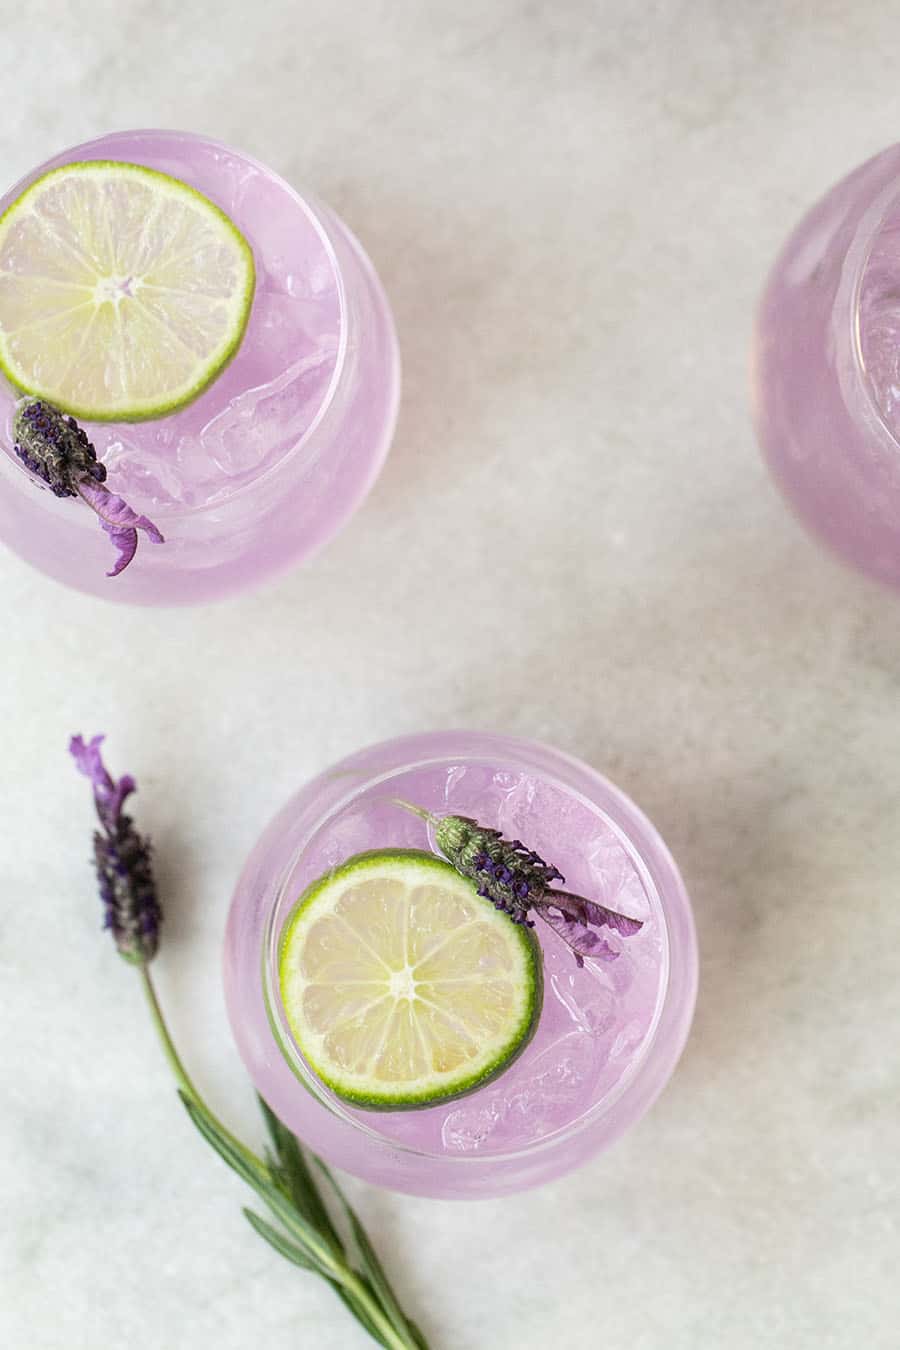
(271,460)
(609,1035)
(826,368)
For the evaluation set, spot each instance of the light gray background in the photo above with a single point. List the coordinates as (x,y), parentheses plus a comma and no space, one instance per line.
(572,206)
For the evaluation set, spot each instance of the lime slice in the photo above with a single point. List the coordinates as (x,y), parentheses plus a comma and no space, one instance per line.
(402,986)
(123,292)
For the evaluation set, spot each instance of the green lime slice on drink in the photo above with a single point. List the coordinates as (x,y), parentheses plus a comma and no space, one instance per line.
(402,986)
(123,292)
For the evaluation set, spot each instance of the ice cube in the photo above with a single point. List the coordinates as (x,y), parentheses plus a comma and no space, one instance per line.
(261,424)
(455,776)
(286,328)
(555,824)
(469,1127)
(628,1039)
(529,1103)
(139,472)
(515,806)
(587,996)
(617,880)
(468,784)
(234,178)
(279,236)
(557,1089)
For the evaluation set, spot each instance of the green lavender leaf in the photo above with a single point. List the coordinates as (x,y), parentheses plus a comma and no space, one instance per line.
(225,1146)
(305,1244)
(296,1178)
(289,1250)
(318,1251)
(417,1333)
(359,1311)
(371,1265)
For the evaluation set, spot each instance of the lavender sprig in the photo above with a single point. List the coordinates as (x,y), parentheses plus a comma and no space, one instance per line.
(56,449)
(306,1233)
(518,881)
(121,860)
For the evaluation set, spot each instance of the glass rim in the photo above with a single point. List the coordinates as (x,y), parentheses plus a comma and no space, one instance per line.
(284,901)
(854,382)
(312,210)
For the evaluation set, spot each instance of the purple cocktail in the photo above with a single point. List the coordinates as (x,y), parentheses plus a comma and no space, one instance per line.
(609,1032)
(263,467)
(826,374)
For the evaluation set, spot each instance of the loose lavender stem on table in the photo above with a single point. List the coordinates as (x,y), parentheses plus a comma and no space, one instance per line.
(306,1233)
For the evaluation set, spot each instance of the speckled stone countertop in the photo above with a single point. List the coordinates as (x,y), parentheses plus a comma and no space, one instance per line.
(572,207)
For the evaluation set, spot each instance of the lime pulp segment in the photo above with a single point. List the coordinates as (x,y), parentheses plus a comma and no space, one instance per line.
(123,291)
(401,985)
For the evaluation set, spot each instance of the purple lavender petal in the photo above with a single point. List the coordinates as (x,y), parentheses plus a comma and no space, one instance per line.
(621,923)
(126,541)
(119,521)
(122,860)
(583,941)
(109,795)
(589,912)
(90,762)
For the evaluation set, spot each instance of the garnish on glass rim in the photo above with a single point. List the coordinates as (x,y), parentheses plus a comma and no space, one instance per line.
(56,449)
(518,881)
(284,1179)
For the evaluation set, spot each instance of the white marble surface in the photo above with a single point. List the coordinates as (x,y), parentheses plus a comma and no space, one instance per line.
(572,206)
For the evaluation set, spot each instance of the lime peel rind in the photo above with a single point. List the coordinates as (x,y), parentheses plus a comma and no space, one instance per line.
(215,229)
(413,868)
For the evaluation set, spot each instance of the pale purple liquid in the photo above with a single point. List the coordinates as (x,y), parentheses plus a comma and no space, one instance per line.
(608,1035)
(827,368)
(270,460)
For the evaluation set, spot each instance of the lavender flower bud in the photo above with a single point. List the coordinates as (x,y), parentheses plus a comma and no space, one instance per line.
(506,872)
(516,880)
(121,859)
(125,877)
(55,448)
